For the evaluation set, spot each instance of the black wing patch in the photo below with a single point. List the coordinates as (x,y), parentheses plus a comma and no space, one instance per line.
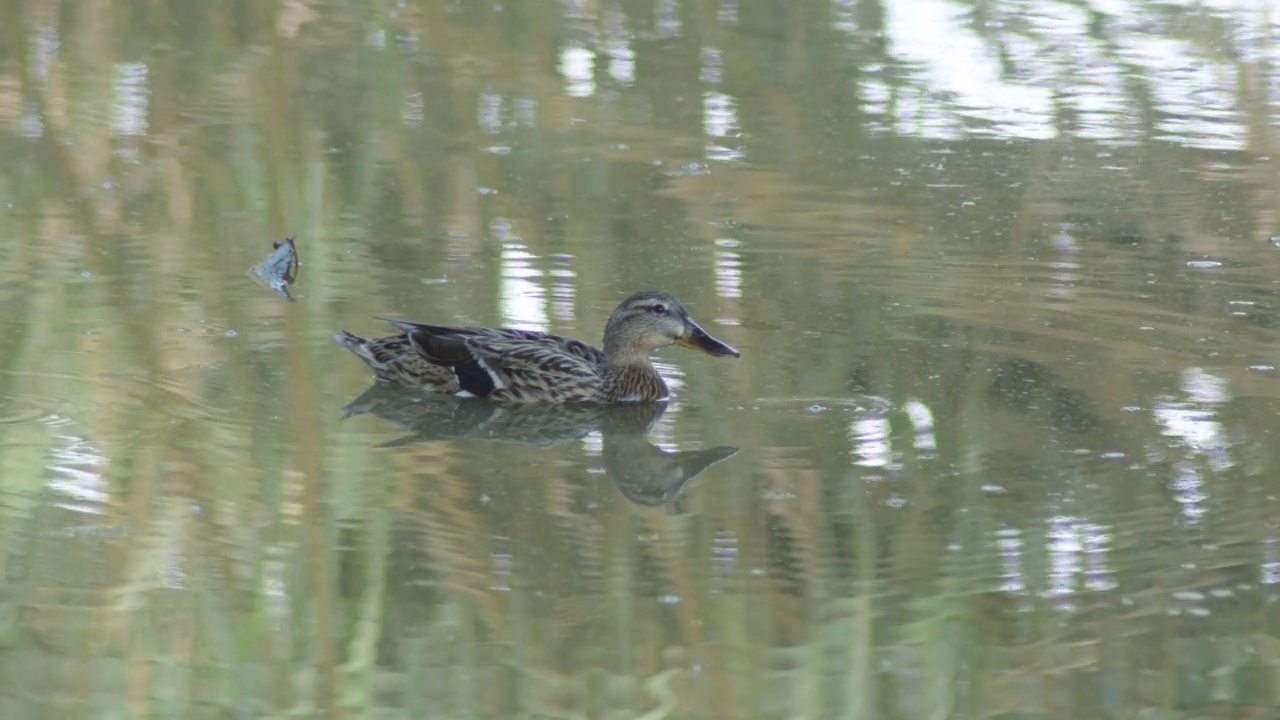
(473,377)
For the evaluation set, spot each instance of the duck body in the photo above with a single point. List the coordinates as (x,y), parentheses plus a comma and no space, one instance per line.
(526,366)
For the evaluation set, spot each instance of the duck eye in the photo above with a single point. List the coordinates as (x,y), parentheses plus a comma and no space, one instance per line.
(660,309)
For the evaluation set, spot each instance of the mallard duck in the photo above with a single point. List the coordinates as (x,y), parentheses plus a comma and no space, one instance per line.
(525,366)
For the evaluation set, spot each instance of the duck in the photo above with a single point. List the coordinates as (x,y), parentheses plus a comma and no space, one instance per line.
(511,365)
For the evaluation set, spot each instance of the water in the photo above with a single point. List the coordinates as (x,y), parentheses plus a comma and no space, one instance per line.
(1001,440)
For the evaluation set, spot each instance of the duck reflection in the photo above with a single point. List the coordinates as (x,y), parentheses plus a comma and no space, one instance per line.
(644,473)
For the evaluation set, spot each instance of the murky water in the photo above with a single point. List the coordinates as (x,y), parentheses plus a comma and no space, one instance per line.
(1002,440)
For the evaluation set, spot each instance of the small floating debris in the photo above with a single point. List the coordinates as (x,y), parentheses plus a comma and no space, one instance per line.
(280,269)
(1203,264)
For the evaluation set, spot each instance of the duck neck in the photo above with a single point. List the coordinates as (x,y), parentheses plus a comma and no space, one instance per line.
(630,377)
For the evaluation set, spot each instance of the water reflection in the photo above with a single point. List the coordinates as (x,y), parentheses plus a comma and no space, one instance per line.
(1043,231)
(644,472)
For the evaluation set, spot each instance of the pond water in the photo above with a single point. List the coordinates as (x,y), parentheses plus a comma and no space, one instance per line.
(1004,439)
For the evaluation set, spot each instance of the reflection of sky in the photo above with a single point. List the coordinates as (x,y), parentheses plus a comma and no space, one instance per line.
(728,13)
(1077,556)
(1197,94)
(728,269)
(577,67)
(1193,420)
(921,418)
(870,438)
(667,18)
(954,60)
(563,290)
(1194,93)
(77,472)
(1000,78)
(130,112)
(1009,546)
(521,299)
(1077,559)
(1270,561)
(720,120)
(489,114)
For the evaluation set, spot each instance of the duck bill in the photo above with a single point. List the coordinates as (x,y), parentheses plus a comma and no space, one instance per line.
(698,339)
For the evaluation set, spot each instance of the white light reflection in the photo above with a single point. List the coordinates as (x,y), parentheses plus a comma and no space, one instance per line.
(131,99)
(31,125)
(675,380)
(712,66)
(526,112)
(842,15)
(1077,555)
(921,418)
(918,113)
(616,44)
(1194,93)
(667,18)
(724,549)
(720,120)
(414,110)
(77,472)
(870,438)
(563,292)
(593,445)
(1270,571)
(728,12)
(44,48)
(1194,422)
(489,111)
(728,269)
(577,67)
(1066,275)
(622,65)
(501,563)
(875,95)
(521,301)
(1009,546)
(955,60)
(1188,491)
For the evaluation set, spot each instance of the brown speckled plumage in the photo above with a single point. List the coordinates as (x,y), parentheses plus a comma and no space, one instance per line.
(522,366)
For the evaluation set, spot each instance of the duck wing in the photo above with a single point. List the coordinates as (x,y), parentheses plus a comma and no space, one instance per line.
(571,346)
(512,365)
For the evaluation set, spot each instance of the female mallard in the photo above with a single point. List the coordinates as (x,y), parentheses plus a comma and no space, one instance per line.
(524,366)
